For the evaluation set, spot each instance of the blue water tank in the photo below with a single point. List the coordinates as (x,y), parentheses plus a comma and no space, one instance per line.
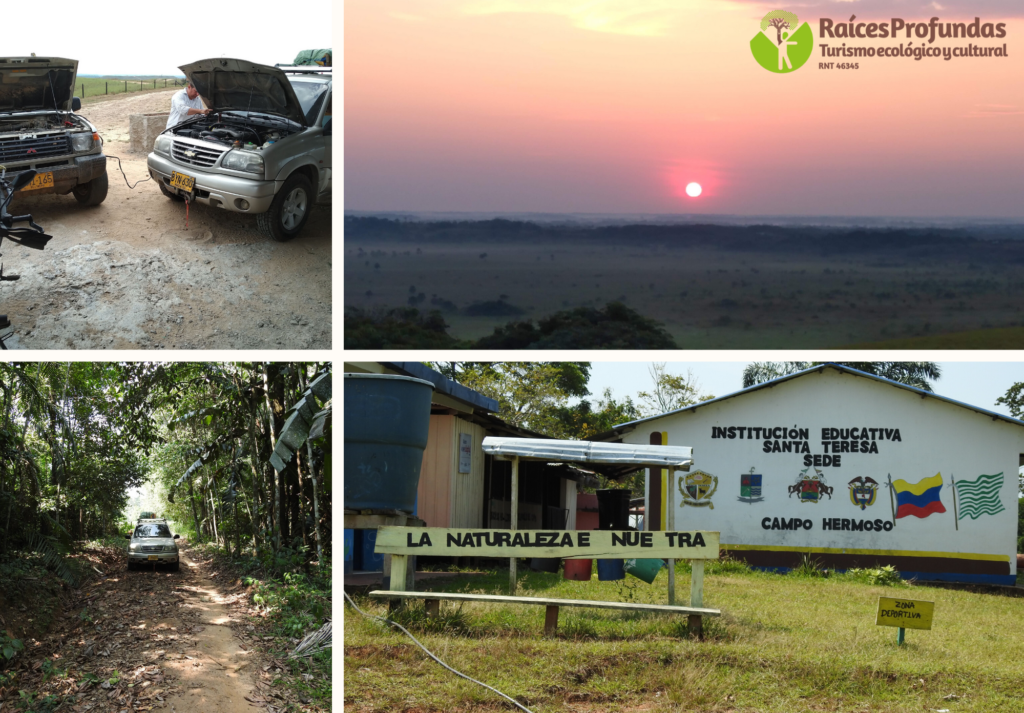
(387,418)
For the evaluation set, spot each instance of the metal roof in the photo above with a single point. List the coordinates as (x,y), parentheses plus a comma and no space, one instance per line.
(679,457)
(617,430)
(444,385)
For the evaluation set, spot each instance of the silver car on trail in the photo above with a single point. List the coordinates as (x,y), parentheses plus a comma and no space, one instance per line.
(152,543)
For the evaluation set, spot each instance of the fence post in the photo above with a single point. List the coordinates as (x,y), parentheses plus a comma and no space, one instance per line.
(106,89)
(83,90)
(126,85)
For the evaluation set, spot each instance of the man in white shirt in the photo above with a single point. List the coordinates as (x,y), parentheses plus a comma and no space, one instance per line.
(184,104)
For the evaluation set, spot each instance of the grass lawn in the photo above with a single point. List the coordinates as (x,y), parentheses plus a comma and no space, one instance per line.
(783,643)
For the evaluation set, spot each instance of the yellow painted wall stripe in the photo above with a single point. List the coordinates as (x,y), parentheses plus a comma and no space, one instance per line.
(883,553)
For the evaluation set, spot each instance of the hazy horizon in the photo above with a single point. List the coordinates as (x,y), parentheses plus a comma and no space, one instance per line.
(598,219)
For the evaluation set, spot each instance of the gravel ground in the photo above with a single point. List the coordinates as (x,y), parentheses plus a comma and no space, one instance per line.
(129,274)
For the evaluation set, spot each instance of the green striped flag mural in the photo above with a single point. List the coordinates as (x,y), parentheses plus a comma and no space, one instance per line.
(980,497)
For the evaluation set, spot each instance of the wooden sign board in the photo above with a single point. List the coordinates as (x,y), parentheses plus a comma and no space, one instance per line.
(904,613)
(567,544)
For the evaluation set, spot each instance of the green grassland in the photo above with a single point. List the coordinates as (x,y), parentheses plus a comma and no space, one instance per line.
(91,87)
(784,643)
(704,296)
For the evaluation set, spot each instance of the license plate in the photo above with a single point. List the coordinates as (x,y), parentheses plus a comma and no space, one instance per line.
(153,557)
(180,180)
(42,180)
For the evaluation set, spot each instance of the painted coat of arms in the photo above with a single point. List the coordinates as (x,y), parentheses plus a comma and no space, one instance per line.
(810,488)
(863,492)
(750,487)
(697,488)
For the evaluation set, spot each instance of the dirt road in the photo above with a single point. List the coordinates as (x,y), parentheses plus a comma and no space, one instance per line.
(218,676)
(151,639)
(129,274)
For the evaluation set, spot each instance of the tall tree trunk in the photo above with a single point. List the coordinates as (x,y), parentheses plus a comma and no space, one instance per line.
(270,375)
(213,516)
(204,516)
(257,488)
(275,394)
(291,379)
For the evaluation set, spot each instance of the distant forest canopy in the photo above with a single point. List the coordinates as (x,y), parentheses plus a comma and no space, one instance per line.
(826,240)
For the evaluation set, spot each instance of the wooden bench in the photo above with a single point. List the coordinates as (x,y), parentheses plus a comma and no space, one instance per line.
(403,542)
(432,602)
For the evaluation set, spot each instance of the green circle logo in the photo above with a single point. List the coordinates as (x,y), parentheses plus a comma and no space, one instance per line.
(783,45)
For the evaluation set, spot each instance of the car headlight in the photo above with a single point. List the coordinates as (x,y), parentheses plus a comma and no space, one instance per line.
(83,142)
(162,145)
(170,548)
(133,546)
(239,160)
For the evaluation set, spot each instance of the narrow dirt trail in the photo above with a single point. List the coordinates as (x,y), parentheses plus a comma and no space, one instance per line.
(152,640)
(215,674)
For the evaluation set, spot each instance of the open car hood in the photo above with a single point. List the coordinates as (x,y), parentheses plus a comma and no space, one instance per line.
(237,85)
(36,83)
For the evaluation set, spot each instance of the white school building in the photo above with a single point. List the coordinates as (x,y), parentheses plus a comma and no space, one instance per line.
(849,468)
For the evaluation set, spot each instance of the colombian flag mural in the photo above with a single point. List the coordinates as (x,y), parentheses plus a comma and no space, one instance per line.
(919,499)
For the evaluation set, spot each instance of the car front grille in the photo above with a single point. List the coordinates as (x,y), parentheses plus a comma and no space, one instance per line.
(152,548)
(194,154)
(15,149)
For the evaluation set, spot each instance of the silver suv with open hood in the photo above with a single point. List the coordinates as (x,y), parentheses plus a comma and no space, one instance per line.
(264,148)
(39,129)
(151,544)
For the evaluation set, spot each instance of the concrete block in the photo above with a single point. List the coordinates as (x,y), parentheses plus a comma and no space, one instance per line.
(143,130)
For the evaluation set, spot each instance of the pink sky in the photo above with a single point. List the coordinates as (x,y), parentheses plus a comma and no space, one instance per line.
(612,106)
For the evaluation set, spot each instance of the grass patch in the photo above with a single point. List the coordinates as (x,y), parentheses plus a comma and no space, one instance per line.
(1004,338)
(794,642)
(92,87)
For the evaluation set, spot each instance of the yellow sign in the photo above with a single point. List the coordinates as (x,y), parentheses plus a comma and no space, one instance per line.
(567,544)
(42,180)
(904,613)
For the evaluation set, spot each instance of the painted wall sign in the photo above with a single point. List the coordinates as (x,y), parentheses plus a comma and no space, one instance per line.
(465,452)
(568,544)
(904,613)
(856,471)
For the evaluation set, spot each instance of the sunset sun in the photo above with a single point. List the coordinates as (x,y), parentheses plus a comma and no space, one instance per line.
(693,189)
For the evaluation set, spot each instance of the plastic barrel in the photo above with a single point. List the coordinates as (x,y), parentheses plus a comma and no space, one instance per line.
(387,418)
(371,561)
(645,569)
(349,551)
(613,509)
(610,570)
(579,570)
(544,564)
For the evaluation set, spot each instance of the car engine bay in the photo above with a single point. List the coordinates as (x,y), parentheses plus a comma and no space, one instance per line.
(50,121)
(231,131)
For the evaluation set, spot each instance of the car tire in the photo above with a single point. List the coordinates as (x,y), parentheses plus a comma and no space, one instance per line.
(176,566)
(289,211)
(93,192)
(173,195)
(131,565)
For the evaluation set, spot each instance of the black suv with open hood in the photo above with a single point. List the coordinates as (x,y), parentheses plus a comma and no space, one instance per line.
(39,129)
